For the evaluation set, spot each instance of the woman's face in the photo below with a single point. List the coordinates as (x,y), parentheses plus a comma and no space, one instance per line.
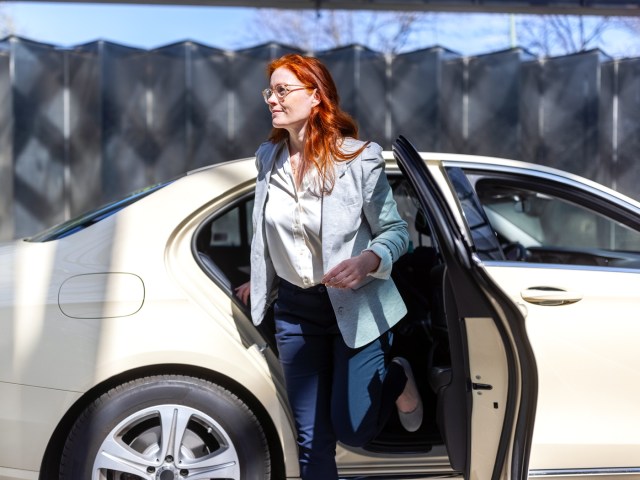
(292,111)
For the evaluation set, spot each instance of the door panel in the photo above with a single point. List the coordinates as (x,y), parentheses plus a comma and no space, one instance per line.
(490,379)
(487,435)
(588,357)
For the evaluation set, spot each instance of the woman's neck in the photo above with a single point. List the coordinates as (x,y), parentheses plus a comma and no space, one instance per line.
(296,141)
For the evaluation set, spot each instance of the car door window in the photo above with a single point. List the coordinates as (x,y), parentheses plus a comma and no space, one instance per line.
(484,237)
(223,242)
(539,219)
(544,226)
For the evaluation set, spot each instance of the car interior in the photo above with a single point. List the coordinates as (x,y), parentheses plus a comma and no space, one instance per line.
(537,223)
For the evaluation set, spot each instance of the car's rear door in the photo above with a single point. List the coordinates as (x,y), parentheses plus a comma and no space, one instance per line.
(578,285)
(487,398)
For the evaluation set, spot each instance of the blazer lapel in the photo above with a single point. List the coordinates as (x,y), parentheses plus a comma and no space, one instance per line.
(331,208)
(341,168)
(264,174)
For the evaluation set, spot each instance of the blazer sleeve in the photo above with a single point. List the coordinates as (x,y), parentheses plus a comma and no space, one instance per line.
(389,231)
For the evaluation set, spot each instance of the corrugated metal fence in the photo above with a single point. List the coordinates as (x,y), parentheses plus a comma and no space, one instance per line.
(85,125)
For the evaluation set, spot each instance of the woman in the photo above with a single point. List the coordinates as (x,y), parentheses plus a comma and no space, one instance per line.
(326,232)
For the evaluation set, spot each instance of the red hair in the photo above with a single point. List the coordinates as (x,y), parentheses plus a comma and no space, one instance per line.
(328,124)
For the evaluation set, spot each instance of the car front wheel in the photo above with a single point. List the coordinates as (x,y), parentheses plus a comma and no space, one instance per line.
(166,427)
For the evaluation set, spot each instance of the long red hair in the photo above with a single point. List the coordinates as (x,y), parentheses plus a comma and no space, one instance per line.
(328,124)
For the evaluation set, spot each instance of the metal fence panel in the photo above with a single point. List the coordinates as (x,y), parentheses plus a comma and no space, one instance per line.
(167,112)
(627,132)
(413,98)
(209,104)
(6,144)
(38,141)
(529,103)
(570,89)
(606,123)
(86,125)
(126,163)
(360,76)
(84,142)
(493,107)
(453,127)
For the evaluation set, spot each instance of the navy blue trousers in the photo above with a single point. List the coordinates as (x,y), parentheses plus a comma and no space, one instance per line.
(336,393)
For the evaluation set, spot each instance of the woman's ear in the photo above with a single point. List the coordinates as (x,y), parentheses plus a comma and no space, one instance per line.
(316,98)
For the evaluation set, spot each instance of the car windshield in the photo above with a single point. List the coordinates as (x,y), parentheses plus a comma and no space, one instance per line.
(94,216)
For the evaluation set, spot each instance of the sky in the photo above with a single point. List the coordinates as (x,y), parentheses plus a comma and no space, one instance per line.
(229,28)
(143,26)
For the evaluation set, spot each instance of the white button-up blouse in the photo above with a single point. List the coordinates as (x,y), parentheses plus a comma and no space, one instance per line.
(293,219)
(293,227)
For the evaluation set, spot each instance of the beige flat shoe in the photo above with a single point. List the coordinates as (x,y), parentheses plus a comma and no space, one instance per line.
(412,420)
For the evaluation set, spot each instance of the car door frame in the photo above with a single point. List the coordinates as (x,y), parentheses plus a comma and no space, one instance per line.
(477,296)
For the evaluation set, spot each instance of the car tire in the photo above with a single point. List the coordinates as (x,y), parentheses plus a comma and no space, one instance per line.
(166,427)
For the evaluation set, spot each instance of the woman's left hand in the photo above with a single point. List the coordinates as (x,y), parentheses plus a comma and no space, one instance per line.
(243,292)
(349,273)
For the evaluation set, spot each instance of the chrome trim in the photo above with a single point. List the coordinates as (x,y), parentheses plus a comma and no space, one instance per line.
(582,472)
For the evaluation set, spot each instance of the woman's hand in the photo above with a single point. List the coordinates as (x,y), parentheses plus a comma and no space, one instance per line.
(349,273)
(243,292)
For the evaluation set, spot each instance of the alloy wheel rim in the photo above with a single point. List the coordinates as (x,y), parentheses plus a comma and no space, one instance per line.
(167,442)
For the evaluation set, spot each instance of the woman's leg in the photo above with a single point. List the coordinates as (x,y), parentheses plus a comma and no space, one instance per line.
(365,389)
(305,332)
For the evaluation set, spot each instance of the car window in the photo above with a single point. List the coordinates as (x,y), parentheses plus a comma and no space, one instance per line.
(487,245)
(223,242)
(553,225)
(231,228)
(539,219)
(411,212)
(94,216)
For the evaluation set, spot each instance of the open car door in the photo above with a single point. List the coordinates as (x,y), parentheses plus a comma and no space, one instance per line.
(486,384)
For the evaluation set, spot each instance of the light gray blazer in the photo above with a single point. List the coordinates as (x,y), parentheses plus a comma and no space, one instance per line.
(359,213)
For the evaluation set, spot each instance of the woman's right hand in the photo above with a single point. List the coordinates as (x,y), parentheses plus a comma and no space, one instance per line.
(243,292)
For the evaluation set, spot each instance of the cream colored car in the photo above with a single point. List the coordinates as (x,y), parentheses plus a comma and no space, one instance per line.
(124,354)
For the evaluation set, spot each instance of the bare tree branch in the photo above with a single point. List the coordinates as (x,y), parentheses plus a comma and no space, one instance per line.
(395,32)
(400,28)
(562,34)
(388,32)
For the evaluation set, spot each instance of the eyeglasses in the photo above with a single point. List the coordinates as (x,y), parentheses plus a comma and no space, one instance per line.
(281,90)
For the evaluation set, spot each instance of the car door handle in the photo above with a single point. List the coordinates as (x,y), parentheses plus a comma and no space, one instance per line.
(550,296)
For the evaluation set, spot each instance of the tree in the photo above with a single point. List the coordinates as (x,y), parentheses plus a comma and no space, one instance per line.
(549,35)
(387,32)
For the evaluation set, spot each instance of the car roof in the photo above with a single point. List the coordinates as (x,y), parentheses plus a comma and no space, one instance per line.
(516,166)
(479,162)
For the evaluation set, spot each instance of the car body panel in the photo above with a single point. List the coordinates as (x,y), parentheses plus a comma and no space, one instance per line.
(589,380)
(30,415)
(13,474)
